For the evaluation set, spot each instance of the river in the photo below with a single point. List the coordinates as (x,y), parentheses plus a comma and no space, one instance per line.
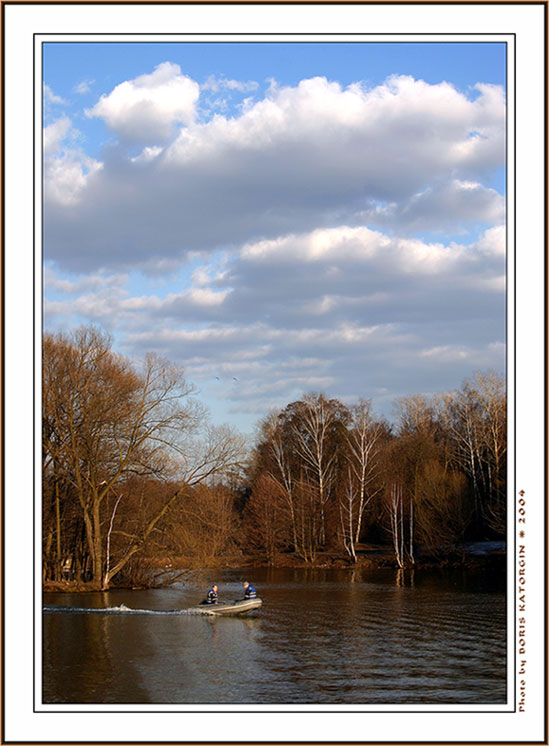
(321,637)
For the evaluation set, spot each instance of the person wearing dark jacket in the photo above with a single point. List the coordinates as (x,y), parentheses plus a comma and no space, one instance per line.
(211,598)
(249,591)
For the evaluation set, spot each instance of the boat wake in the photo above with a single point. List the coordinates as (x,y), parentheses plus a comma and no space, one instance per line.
(122,609)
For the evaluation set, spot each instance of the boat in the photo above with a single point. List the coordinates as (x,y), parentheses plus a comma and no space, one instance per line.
(242,606)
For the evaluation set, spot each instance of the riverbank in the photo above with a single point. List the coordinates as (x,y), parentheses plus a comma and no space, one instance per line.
(369,557)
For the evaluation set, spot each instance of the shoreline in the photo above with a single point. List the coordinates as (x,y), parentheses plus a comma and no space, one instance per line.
(367,559)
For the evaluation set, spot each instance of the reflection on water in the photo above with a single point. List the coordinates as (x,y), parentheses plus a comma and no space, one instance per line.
(359,637)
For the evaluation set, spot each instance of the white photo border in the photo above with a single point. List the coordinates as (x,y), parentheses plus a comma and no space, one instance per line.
(25,29)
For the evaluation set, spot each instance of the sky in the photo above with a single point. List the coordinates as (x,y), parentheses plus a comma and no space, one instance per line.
(280,218)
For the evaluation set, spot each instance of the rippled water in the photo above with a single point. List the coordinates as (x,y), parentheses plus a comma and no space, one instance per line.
(370,637)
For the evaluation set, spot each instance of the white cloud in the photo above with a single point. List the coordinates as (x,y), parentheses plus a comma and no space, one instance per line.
(253,367)
(345,246)
(213,343)
(50,97)
(105,297)
(446,353)
(459,202)
(147,154)
(473,357)
(335,244)
(307,156)
(351,275)
(492,243)
(302,287)
(83,283)
(146,108)
(382,132)
(55,133)
(215,84)
(66,178)
(84,87)
(66,168)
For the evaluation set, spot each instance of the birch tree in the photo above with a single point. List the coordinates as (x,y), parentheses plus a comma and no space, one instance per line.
(314,432)
(396,516)
(490,392)
(347,516)
(416,444)
(475,417)
(363,440)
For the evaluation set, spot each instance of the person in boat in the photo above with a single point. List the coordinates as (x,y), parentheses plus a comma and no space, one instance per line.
(211,598)
(249,591)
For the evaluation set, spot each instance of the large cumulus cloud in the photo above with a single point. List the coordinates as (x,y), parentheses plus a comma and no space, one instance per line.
(315,155)
(146,109)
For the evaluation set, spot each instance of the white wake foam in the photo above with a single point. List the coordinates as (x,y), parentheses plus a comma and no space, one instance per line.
(122,609)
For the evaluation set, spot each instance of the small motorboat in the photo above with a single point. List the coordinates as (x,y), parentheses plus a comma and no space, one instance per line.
(227,609)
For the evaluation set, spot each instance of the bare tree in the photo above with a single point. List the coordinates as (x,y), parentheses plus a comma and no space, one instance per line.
(267,520)
(104,420)
(396,516)
(280,466)
(313,431)
(347,513)
(490,390)
(416,444)
(443,512)
(459,412)
(201,460)
(363,438)
(299,448)
(415,415)
(204,525)
(475,417)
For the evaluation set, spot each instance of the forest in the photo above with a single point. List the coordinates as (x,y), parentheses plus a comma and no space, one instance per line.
(138,486)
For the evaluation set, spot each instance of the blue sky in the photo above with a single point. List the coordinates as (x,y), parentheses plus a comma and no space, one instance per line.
(280,218)
(109,63)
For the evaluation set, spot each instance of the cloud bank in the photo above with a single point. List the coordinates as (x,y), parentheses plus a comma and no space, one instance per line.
(404,154)
(322,237)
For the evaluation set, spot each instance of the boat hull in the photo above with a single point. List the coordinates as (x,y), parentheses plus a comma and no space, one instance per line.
(235,609)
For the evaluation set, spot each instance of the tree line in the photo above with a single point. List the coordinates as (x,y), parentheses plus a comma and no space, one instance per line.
(134,475)
(329,475)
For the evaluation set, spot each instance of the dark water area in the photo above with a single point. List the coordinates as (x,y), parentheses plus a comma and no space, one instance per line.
(321,637)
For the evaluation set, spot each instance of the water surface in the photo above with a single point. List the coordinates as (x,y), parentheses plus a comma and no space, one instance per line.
(321,637)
